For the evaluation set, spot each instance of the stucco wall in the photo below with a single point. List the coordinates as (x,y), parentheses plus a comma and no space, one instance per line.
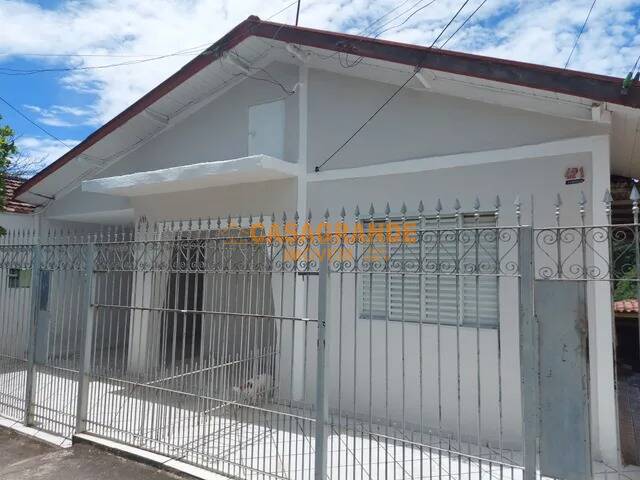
(541,177)
(217,131)
(415,123)
(13,222)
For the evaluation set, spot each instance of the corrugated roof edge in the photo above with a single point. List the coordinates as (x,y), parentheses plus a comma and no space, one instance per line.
(580,84)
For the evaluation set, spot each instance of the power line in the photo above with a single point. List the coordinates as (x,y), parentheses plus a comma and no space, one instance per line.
(32,122)
(25,72)
(47,132)
(191,51)
(371,24)
(580,34)
(463,24)
(380,32)
(394,94)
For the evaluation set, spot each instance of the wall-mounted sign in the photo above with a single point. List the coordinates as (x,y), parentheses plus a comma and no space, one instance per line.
(574,175)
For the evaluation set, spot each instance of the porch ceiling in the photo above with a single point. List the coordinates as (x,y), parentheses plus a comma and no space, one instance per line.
(252,169)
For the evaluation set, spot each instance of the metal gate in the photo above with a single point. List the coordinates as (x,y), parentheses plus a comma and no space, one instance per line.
(362,346)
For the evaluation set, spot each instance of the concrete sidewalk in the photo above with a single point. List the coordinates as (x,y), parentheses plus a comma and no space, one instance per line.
(23,458)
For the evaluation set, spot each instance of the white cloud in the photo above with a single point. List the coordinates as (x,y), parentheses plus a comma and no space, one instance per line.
(41,151)
(541,31)
(63,116)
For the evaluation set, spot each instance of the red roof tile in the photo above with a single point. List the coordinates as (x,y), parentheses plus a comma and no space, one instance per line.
(11,184)
(626,306)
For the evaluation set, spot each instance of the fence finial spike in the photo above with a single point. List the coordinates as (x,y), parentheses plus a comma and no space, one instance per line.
(517,202)
(607,197)
(635,195)
(356,212)
(387,209)
(296,216)
(326,214)
(261,218)
(558,202)
(371,210)
(497,204)
(439,206)
(476,204)
(420,207)
(284,217)
(343,213)
(403,209)
(309,216)
(583,198)
(456,205)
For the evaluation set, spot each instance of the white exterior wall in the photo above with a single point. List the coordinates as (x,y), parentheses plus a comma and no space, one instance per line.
(219,130)
(540,177)
(445,134)
(15,221)
(416,124)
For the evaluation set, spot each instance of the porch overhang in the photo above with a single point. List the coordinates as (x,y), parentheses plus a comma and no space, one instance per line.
(251,169)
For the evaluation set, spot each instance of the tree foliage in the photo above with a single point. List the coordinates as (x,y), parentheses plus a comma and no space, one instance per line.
(8,149)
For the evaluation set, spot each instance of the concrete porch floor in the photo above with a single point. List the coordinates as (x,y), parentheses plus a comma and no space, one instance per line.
(23,458)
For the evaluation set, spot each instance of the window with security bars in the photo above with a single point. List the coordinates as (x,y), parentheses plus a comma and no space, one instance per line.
(19,278)
(459,284)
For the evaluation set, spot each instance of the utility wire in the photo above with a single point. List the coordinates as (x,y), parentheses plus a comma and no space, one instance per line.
(380,32)
(191,51)
(32,122)
(580,33)
(462,25)
(24,72)
(371,24)
(56,138)
(298,12)
(394,94)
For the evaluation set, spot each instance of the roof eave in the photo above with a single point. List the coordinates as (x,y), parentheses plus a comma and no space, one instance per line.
(598,88)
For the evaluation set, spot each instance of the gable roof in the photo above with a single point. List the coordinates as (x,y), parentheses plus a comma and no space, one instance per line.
(11,184)
(598,88)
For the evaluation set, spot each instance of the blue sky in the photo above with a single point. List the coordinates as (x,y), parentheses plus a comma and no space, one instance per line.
(61,34)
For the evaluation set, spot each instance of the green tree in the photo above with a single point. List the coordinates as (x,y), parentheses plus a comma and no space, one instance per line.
(8,149)
(626,288)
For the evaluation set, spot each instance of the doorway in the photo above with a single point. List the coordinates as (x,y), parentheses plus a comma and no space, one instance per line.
(182,323)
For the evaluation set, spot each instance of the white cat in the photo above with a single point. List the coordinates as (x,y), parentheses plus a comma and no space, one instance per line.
(256,389)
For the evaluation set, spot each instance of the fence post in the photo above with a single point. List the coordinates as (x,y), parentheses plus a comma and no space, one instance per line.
(529,351)
(33,327)
(87,338)
(322,400)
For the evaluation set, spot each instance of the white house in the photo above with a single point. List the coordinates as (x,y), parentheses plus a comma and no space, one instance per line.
(260,122)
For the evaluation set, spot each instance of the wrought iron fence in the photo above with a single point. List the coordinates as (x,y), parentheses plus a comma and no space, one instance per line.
(375,345)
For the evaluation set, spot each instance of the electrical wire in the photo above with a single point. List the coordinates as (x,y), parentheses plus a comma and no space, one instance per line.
(32,122)
(56,138)
(462,25)
(394,94)
(406,19)
(366,29)
(191,51)
(580,33)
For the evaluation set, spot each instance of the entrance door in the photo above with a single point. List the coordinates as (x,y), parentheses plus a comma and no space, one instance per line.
(182,329)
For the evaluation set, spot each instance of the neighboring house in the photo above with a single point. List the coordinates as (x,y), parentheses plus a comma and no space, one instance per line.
(16,215)
(254,125)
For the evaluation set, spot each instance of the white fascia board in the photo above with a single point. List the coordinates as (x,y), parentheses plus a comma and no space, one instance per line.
(548,149)
(252,169)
